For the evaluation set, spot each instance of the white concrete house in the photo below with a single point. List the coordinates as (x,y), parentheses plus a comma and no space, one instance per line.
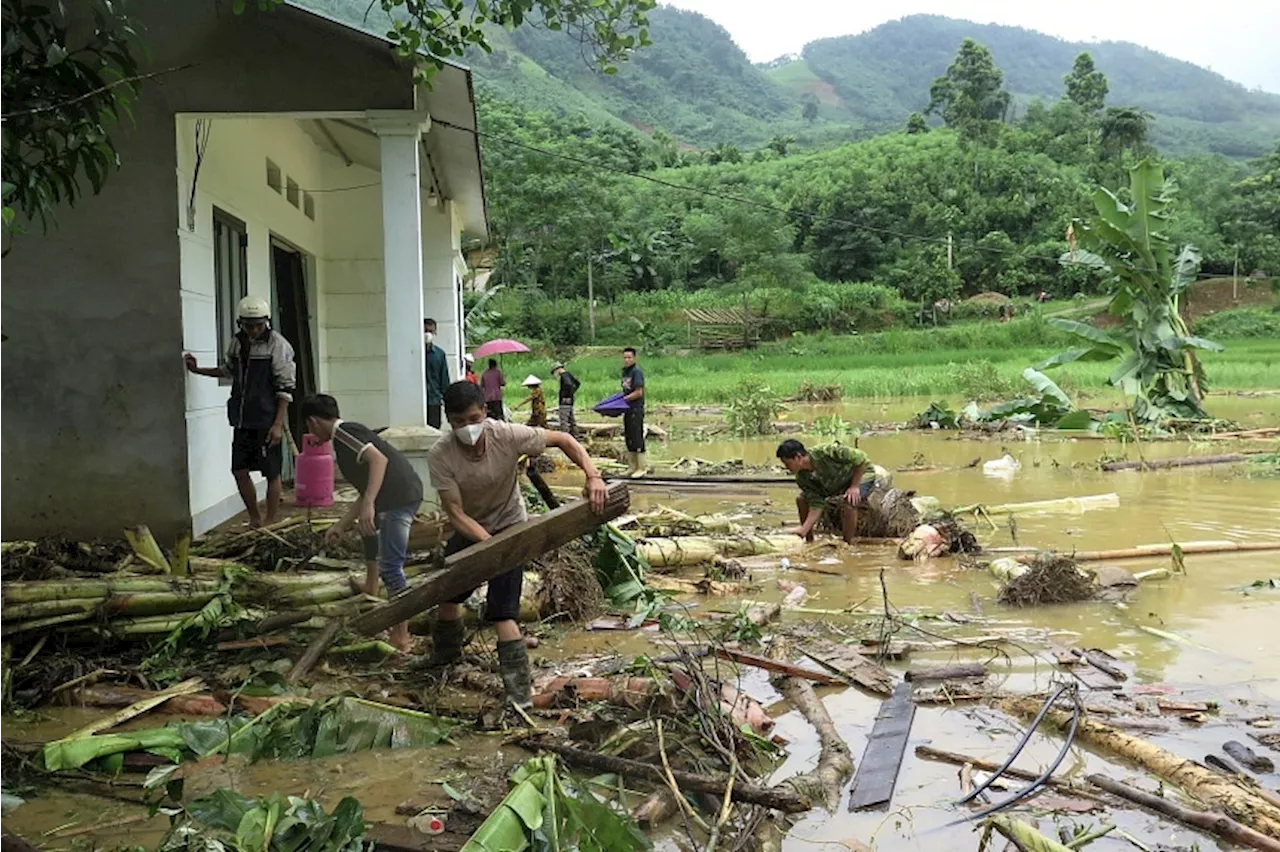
(294,158)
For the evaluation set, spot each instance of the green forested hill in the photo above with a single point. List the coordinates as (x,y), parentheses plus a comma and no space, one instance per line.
(696,84)
(881,76)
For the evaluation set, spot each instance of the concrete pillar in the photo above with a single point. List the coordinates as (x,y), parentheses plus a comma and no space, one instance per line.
(398,135)
(441,292)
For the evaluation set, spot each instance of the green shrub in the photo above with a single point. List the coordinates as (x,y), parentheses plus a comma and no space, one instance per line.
(981,380)
(752,408)
(1239,324)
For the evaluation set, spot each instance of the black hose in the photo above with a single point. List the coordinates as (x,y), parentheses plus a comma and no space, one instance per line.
(1022,743)
(1037,784)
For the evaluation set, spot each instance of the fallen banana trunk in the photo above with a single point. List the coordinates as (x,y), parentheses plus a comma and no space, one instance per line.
(1209,787)
(684,551)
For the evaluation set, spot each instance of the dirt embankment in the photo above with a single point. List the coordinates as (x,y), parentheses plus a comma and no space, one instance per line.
(1213,295)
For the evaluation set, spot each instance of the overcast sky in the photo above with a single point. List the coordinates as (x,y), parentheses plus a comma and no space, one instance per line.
(1240,39)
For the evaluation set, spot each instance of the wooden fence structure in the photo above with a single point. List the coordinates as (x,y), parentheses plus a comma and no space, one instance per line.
(723,328)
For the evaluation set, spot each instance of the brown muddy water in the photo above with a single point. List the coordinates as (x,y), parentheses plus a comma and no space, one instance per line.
(1228,652)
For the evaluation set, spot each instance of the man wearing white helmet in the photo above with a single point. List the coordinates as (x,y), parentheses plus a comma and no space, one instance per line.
(260,365)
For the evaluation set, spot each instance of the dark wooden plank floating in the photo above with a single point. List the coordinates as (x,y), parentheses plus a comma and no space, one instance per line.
(878,769)
(961,671)
(482,562)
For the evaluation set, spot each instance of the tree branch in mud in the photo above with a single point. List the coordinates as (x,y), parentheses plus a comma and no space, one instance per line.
(835,762)
(1216,823)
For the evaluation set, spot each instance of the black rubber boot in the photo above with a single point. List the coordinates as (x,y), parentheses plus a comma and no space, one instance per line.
(447,639)
(513,666)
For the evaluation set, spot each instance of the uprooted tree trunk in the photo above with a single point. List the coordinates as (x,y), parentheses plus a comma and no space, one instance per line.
(824,782)
(1209,787)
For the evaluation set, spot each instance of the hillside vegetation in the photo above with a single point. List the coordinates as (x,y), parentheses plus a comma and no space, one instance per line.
(879,78)
(695,84)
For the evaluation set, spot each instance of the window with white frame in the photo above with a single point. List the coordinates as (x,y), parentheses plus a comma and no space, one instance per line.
(230,274)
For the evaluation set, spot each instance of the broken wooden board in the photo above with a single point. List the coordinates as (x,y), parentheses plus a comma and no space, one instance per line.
(778,667)
(1091,678)
(878,769)
(845,662)
(514,546)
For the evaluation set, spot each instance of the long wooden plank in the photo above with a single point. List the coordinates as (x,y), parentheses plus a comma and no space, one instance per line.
(480,563)
(878,771)
(777,666)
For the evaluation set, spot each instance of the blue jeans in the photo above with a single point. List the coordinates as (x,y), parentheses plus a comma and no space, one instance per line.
(391,546)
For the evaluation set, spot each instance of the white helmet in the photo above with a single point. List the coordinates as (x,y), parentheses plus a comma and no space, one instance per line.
(253,308)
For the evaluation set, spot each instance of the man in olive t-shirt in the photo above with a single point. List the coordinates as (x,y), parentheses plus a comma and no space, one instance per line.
(475,469)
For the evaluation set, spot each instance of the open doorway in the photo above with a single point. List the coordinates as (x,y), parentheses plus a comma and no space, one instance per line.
(293,320)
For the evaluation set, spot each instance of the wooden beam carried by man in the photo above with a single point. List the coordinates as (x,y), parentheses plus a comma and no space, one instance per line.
(482,562)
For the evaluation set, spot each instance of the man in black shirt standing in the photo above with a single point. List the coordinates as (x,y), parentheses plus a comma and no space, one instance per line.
(633,420)
(390,494)
(569,385)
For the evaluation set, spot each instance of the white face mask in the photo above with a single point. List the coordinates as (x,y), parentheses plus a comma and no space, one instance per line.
(470,433)
(428,336)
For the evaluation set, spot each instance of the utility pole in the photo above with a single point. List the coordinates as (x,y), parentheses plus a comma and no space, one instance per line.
(950,245)
(591,298)
(1235,277)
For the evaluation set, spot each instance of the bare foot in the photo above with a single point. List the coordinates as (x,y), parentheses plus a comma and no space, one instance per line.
(255,523)
(270,519)
(400,638)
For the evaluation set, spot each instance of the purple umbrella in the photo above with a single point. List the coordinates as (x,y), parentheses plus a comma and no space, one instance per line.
(614,406)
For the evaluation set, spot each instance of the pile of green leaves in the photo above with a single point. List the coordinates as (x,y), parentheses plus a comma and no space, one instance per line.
(1158,370)
(752,408)
(340,725)
(1049,406)
(220,612)
(550,812)
(621,570)
(227,820)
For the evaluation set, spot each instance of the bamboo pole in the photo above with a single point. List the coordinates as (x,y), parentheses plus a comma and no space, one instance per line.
(1187,547)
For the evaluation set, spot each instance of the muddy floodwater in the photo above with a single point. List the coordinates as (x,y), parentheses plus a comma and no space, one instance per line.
(1222,646)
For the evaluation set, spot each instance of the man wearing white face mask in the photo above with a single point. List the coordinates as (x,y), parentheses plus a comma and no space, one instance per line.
(475,469)
(437,373)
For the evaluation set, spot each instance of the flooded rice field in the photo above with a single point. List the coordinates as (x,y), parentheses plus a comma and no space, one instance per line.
(1214,640)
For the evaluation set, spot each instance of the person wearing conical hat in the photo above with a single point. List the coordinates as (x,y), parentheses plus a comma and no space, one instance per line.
(536,401)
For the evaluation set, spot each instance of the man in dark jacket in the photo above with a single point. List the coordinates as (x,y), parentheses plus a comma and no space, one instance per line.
(260,365)
(437,374)
(569,385)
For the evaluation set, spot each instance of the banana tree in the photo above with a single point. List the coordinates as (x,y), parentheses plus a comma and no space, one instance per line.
(1158,371)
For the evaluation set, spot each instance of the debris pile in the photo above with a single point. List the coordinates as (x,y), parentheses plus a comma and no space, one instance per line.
(1047,578)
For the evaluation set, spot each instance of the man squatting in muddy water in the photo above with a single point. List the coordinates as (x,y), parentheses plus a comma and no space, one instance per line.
(475,469)
(834,480)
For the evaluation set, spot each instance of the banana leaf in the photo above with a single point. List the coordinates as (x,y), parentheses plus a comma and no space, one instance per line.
(548,813)
(75,753)
(1047,388)
(271,824)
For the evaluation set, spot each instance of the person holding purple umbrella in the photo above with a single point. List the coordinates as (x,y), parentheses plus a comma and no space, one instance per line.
(492,382)
(633,419)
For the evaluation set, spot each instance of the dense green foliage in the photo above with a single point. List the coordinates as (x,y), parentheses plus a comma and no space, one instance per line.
(1241,324)
(63,93)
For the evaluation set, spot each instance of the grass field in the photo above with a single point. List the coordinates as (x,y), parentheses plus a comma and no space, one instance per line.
(975,359)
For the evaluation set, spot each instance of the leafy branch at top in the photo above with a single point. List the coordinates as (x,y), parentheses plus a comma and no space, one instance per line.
(437,30)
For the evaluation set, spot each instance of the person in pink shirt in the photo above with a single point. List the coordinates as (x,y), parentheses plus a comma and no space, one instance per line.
(492,382)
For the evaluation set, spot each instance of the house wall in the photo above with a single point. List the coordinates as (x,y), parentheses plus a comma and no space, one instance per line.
(233,178)
(95,396)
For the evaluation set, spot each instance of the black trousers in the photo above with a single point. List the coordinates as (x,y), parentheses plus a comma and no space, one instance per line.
(633,429)
(435,414)
(503,601)
(494,409)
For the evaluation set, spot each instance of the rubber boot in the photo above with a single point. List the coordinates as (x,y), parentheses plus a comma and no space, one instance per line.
(513,666)
(642,465)
(633,463)
(447,639)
